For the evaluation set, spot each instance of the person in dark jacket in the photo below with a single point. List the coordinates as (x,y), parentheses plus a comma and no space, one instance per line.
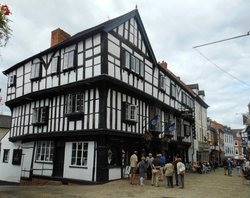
(176,160)
(142,165)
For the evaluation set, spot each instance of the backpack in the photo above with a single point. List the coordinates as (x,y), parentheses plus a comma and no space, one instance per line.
(182,169)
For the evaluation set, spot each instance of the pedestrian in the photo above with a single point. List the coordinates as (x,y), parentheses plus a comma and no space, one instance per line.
(163,161)
(149,161)
(225,166)
(142,170)
(247,163)
(229,167)
(238,167)
(176,160)
(133,165)
(169,172)
(181,172)
(156,165)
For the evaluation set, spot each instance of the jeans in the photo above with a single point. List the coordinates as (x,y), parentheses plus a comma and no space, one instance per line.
(169,181)
(229,171)
(238,170)
(181,180)
(176,178)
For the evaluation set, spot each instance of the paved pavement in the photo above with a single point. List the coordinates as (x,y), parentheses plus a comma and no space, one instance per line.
(214,185)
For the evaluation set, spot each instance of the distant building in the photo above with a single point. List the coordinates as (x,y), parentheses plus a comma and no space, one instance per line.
(239,145)
(5,123)
(217,141)
(228,143)
(201,147)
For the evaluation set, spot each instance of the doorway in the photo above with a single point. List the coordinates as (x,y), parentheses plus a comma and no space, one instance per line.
(58,159)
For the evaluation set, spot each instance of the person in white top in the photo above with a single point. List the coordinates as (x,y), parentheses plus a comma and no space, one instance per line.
(133,165)
(181,172)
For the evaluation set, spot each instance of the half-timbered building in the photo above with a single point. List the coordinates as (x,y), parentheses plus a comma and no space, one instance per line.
(81,107)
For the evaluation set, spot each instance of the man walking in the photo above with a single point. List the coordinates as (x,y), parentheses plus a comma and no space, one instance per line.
(149,161)
(133,165)
(229,167)
(156,165)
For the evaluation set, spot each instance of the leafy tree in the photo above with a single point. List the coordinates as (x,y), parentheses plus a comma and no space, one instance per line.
(5,30)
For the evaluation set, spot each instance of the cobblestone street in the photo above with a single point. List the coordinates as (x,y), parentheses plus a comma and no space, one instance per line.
(214,184)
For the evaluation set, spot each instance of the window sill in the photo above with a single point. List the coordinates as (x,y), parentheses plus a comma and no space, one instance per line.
(133,72)
(75,116)
(82,167)
(39,123)
(69,69)
(35,79)
(12,85)
(162,89)
(54,74)
(131,122)
(44,162)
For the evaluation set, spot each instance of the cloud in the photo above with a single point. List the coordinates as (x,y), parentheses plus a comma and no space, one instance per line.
(173,28)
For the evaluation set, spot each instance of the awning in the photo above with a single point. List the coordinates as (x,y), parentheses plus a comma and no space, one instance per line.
(239,157)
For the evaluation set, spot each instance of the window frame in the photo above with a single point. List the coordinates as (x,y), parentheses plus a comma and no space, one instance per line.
(75,103)
(162,81)
(173,90)
(36,71)
(44,151)
(133,64)
(69,60)
(40,115)
(130,113)
(6,155)
(54,65)
(79,155)
(12,80)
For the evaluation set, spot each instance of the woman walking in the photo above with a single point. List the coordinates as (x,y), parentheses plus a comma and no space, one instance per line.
(169,172)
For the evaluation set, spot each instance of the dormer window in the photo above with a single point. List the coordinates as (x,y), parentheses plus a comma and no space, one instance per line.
(54,65)
(36,71)
(12,81)
(69,60)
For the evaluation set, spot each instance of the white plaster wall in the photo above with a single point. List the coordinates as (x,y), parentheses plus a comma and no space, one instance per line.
(9,172)
(114,173)
(78,172)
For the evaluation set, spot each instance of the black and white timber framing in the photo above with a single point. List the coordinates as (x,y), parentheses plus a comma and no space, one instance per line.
(80,108)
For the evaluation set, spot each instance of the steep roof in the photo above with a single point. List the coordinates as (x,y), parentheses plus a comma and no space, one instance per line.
(5,121)
(105,27)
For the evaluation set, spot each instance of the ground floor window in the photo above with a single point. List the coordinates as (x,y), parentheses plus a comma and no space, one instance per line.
(79,156)
(6,155)
(115,156)
(44,151)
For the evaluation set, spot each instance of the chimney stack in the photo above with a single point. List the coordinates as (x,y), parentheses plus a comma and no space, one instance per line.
(163,64)
(58,36)
(249,108)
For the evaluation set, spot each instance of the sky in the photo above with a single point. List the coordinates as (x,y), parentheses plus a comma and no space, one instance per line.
(174,28)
